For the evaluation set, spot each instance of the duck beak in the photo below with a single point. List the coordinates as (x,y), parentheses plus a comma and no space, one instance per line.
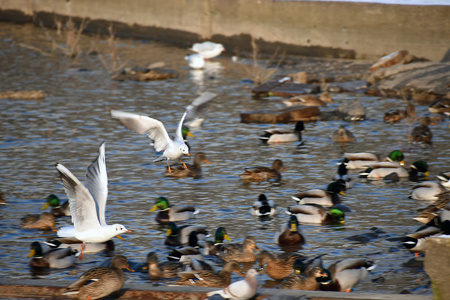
(342,222)
(283,168)
(206,161)
(128,268)
(153,208)
(119,237)
(45,206)
(169,232)
(190,134)
(226,237)
(32,253)
(402,163)
(342,193)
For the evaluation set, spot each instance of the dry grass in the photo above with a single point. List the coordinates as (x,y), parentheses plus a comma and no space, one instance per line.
(114,63)
(260,73)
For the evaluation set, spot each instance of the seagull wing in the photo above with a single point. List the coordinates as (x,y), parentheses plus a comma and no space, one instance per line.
(179,134)
(97,183)
(198,105)
(81,202)
(153,128)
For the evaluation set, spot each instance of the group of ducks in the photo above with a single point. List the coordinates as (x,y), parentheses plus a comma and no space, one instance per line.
(87,202)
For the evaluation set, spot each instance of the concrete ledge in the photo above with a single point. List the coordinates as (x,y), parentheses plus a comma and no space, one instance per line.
(330,29)
(38,289)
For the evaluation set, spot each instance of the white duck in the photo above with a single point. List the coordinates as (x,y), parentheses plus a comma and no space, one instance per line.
(87,204)
(208,49)
(427,190)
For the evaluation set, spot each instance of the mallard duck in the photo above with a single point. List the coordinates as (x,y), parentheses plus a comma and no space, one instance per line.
(433,210)
(422,133)
(342,175)
(167,269)
(440,106)
(362,160)
(347,273)
(415,242)
(289,234)
(263,207)
(172,213)
(283,136)
(277,267)
(58,209)
(327,198)
(343,135)
(396,115)
(208,49)
(100,282)
(209,278)
(2,199)
(258,174)
(179,235)
(195,61)
(382,169)
(310,100)
(44,221)
(194,170)
(90,248)
(302,281)
(217,247)
(427,190)
(444,179)
(240,290)
(191,250)
(53,258)
(317,214)
(240,252)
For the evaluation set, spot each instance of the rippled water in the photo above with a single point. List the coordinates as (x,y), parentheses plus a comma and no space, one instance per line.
(69,125)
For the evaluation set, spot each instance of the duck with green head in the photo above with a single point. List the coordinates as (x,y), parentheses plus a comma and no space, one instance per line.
(383,169)
(172,213)
(289,234)
(53,258)
(327,198)
(362,160)
(179,235)
(263,207)
(58,209)
(317,214)
(217,247)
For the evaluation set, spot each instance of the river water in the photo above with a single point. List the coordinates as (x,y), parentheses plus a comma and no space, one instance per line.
(70,124)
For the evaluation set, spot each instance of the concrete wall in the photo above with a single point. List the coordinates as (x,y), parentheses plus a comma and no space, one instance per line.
(333,29)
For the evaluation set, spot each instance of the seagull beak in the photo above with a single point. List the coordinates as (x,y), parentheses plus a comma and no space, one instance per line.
(188,154)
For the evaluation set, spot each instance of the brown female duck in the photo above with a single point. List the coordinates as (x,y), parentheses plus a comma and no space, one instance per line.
(100,282)
(278,266)
(167,269)
(343,135)
(299,281)
(310,100)
(210,278)
(44,221)
(422,133)
(194,170)
(240,252)
(258,174)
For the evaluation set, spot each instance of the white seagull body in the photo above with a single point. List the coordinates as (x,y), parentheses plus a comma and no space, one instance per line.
(87,203)
(155,130)
(195,61)
(208,49)
(240,290)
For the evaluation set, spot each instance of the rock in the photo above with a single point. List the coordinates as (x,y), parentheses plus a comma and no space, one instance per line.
(398,57)
(422,80)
